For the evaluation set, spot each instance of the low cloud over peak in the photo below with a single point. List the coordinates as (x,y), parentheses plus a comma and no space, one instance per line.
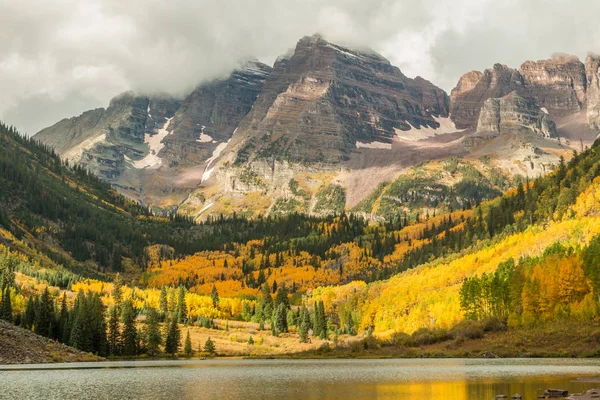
(60,58)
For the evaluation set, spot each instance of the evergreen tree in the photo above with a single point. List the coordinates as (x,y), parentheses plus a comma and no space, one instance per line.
(44,315)
(154,338)
(29,315)
(97,324)
(181,306)
(7,306)
(250,340)
(114,334)
(281,319)
(209,346)
(267,302)
(63,322)
(214,295)
(320,321)
(163,303)
(188,345)
(282,296)
(173,337)
(129,334)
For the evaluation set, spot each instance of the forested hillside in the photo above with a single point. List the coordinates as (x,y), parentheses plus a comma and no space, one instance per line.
(522,259)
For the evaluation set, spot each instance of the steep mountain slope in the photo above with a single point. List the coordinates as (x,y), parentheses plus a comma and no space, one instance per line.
(561,87)
(325,127)
(65,216)
(21,346)
(155,149)
(326,108)
(544,238)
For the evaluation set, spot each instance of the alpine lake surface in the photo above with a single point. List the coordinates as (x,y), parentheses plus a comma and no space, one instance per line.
(456,379)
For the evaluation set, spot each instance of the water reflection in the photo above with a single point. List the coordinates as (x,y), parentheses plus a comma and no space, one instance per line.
(307,379)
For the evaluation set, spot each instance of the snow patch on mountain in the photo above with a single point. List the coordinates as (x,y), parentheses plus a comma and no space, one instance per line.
(374,145)
(204,138)
(425,132)
(155,145)
(216,153)
(76,152)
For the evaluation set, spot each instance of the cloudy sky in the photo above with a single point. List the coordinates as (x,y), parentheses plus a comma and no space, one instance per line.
(59,58)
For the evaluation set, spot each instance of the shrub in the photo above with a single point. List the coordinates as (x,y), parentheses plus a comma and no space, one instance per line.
(467,329)
(494,325)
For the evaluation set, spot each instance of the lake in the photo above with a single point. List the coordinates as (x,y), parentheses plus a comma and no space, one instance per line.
(455,379)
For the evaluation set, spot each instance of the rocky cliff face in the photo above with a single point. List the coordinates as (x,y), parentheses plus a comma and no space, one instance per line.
(323,128)
(562,87)
(592,71)
(325,98)
(557,84)
(513,113)
(474,88)
(147,146)
(103,139)
(210,114)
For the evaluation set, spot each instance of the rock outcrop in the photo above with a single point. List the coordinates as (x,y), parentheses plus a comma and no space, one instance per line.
(592,71)
(562,86)
(210,114)
(557,84)
(474,88)
(103,139)
(513,113)
(137,140)
(325,116)
(320,101)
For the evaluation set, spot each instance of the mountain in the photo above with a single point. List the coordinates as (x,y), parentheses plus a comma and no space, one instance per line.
(61,215)
(561,87)
(326,127)
(154,148)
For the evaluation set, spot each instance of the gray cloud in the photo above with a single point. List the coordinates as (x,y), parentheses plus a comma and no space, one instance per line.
(61,57)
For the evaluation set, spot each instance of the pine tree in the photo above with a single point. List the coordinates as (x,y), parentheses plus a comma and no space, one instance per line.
(250,340)
(304,325)
(154,338)
(7,306)
(173,337)
(114,334)
(281,318)
(267,302)
(209,346)
(214,296)
(188,345)
(282,296)
(163,303)
(97,324)
(118,290)
(44,315)
(63,322)
(129,334)
(29,316)
(181,306)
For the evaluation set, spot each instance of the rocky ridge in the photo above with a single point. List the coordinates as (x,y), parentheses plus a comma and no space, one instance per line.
(327,120)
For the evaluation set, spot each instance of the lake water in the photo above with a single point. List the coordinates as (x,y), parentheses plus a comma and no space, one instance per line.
(456,379)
